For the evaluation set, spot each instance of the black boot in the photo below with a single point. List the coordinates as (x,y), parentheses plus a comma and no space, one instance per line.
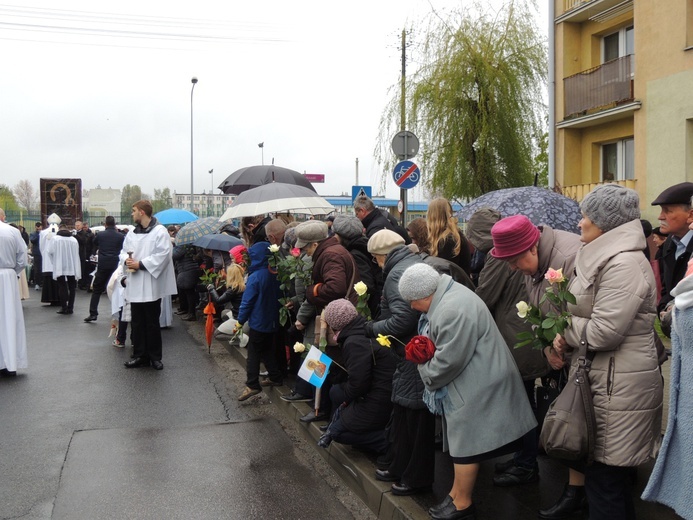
(572,501)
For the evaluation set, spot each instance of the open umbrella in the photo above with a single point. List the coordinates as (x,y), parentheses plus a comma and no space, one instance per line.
(197,229)
(540,205)
(217,242)
(254,176)
(175,216)
(275,197)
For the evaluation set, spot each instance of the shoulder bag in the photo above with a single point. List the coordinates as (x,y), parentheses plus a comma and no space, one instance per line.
(569,429)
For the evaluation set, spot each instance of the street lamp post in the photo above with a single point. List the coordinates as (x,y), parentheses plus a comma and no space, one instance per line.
(194,81)
(211,195)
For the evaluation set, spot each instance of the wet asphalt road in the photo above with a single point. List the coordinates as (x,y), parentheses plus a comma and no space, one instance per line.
(83,437)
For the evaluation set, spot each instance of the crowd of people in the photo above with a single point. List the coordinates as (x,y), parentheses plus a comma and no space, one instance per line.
(367,289)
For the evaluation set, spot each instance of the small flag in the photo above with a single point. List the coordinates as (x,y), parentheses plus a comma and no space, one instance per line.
(315,367)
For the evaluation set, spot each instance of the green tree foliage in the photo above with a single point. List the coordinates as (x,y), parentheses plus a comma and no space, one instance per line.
(162,199)
(8,202)
(475,101)
(130,195)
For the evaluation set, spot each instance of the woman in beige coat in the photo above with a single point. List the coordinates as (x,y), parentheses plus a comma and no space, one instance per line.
(616,293)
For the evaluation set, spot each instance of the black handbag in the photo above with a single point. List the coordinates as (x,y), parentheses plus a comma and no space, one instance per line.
(569,429)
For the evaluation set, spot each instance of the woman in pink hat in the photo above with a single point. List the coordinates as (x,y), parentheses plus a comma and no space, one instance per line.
(533,250)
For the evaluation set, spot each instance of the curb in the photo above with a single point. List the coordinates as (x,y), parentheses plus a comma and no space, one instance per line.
(352,466)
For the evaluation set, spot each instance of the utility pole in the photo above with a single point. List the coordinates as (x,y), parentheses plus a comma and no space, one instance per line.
(403,120)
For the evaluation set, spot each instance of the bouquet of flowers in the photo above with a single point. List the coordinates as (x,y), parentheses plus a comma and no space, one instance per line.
(419,349)
(210,276)
(287,270)
(545,327)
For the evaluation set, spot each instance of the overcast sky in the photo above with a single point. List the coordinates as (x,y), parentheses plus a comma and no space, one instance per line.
(101,90)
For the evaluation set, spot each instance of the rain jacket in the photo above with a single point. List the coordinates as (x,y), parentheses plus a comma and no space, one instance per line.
(501,288)
(616,294)
(260,303)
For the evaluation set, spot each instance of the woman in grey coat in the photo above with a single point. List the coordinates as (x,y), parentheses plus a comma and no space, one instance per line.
(471,379)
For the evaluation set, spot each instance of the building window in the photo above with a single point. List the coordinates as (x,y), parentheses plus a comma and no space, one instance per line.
(618,160)
(618,44)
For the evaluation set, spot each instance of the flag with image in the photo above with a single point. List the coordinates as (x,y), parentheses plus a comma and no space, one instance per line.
(315,367)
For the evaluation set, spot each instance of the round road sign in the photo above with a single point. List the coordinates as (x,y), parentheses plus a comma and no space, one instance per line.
(405,145)
(406,175)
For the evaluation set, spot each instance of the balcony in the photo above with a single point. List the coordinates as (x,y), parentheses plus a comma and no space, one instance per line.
(578,191)
(606,86)
(578,11)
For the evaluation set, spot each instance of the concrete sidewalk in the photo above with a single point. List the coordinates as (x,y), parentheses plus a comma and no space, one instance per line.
(357,470)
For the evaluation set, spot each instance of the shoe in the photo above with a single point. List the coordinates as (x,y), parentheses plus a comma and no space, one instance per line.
(573,500)
(7,373)
(137,362)
(325,440)
(450,512)
(180,312)
(439,507)
(189,317)
(156,364)
(268,382)
(63,311)
(323,427)
(311,417)
(402,490)
(248,392)
(384,475)
(516,475)
(502,467)
(37,288)
(118,344)
(89,318)
(294,397)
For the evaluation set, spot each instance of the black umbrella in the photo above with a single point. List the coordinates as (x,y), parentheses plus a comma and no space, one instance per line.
(254,176)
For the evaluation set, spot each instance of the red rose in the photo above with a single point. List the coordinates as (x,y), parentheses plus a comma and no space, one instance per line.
(419,349)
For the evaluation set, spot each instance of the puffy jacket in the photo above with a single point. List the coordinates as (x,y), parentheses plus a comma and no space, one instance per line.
(501,288)
(260,303)
(398,319)
(187,267)
(370,368)
(616,294)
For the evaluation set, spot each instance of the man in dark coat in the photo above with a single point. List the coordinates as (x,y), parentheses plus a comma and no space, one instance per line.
(37,264)
(674,219)
(84,237)
(374,220)
(108,243)
(362,402)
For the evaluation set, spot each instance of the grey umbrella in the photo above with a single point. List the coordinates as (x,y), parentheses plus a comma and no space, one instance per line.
(254,176)
(540,205)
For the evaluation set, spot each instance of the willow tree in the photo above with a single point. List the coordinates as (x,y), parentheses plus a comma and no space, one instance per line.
(475,101)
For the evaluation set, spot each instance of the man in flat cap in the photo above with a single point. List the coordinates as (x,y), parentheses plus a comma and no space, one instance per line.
(674,219)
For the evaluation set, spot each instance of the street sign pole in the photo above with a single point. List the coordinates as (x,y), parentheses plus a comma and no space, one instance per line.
(403,192)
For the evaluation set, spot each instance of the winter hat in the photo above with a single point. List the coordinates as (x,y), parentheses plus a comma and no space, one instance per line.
(339,313)
(310,231)
(384,241)
(418,281)
(610,205)
(237,253)
(513,236)
(347,227)
(677,194)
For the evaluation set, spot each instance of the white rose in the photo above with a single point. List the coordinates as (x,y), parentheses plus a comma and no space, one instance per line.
(361,288)
(274,248)
(299,347)
(522,309)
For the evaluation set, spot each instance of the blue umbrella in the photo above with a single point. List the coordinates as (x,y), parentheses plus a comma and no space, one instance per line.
(174,216)
(217,242)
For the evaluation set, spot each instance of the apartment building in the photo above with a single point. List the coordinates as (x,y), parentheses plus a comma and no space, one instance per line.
(623,95)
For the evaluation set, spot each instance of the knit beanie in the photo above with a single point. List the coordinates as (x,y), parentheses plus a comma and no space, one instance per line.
(347,227)
(237,252)
(611,205)
(384,241)
(339,313)
(418,281)
(513,236)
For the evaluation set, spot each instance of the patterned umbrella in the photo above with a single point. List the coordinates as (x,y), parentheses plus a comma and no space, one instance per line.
(540,205)
(197,229)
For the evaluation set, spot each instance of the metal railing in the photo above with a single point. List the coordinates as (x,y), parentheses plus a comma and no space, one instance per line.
(606,85)
(578,191)
(573,4)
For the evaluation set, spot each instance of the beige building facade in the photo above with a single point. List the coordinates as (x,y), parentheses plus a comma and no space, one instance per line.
(623,95)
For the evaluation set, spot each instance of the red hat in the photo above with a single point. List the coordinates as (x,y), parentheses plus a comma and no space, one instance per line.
(513,236)
(237,253)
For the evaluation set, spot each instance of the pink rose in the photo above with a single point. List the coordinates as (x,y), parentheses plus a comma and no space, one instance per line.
(295,252)
(554,276)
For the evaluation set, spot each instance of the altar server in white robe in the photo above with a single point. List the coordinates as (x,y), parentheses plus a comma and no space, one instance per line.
(12,333)
(150,277)
(63,254)
(49,293)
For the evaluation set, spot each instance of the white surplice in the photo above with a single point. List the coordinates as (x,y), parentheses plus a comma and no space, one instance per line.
(63,253)
(157,279)
(12,333)
(45,238)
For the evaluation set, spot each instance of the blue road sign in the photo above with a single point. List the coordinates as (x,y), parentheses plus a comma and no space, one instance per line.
(360,190)
(406,175)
